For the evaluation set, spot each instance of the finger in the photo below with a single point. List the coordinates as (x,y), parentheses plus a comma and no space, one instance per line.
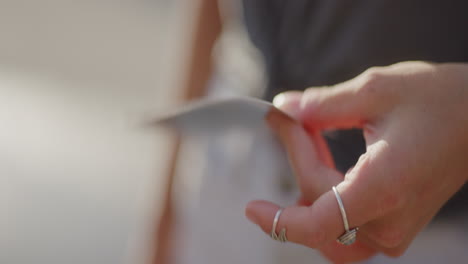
(298,221)
(312,171)
(370,190)
(349,104)
(364,199)
(289,102)
(302,201)
(323,151)
(312,226)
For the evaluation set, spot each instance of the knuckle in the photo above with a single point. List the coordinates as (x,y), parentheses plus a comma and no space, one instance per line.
(373,82)
(361,169)
(373,71)
(373,76)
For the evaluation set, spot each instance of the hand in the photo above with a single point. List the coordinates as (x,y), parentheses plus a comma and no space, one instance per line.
(415,123)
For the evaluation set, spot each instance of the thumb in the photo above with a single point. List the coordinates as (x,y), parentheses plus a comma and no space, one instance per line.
(289,103)
(349,104)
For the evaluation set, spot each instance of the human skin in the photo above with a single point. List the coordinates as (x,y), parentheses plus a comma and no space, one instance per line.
(415,123)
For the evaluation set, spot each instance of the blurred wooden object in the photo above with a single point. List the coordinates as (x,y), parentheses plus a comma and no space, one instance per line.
(205,32)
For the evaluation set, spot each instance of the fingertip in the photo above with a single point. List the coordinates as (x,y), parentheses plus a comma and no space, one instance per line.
(286,98)
(250,212)
(288,102)
(279,100)
(258,211)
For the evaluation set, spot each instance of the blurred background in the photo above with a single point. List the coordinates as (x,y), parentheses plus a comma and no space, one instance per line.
(82,179)
(77,81)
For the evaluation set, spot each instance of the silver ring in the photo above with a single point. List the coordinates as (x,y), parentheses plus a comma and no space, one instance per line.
(282,235)
(349,236)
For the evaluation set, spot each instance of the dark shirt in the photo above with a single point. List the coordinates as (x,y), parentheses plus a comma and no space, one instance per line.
(309,43)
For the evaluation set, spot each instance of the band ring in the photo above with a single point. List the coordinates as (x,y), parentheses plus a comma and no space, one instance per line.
(349,236)
(282,235)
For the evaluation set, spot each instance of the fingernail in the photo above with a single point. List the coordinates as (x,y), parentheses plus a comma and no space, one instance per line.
(288,102)
(279,100)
